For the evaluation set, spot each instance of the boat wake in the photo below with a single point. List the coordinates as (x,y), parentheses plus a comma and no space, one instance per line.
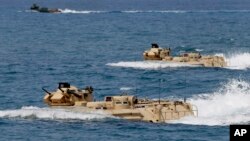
(31,112)
(81,12)
(238,61)
(150,65)
(72,11)
(125,11)
(229,105)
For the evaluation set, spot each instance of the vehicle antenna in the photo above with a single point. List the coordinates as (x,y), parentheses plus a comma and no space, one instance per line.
(135,90)
(159,100)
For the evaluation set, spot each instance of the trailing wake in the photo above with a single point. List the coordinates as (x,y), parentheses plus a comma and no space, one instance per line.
(229,105)
(32,112)
(81,12)
(155,65)
(238,61)
(151,11)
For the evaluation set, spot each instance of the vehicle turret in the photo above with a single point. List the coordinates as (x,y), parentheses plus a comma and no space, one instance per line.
(35,7)
(67,95)
(156,52)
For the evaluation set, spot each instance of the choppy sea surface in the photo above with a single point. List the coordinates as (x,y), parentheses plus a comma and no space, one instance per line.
(100,43)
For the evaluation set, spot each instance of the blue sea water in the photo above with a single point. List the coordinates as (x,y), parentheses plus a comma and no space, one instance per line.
(100,43)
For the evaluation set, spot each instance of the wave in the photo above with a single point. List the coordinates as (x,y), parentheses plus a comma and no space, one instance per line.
(151,11)
(228,105)
(31,112)
(149,65)
(238,61)
(126,88)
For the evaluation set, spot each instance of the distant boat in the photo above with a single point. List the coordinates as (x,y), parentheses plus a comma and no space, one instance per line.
(35,7)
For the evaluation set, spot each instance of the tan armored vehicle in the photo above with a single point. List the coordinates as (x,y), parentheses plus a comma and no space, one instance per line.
(124,106)
(164,54)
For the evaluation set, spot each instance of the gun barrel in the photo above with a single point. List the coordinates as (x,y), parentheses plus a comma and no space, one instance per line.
(46,91)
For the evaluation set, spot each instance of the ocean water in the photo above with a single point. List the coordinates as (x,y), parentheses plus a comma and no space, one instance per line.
(100,43)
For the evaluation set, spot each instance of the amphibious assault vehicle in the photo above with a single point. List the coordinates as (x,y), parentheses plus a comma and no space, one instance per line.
(44,9)
(124,106)
(193,58)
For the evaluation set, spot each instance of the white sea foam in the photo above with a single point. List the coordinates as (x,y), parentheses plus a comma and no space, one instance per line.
(229,105)
(153,11)
(126,11)
(126,88)
(32,112)
(238,61)
(219,54)
(199,50)
(80,12)
(148,64)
